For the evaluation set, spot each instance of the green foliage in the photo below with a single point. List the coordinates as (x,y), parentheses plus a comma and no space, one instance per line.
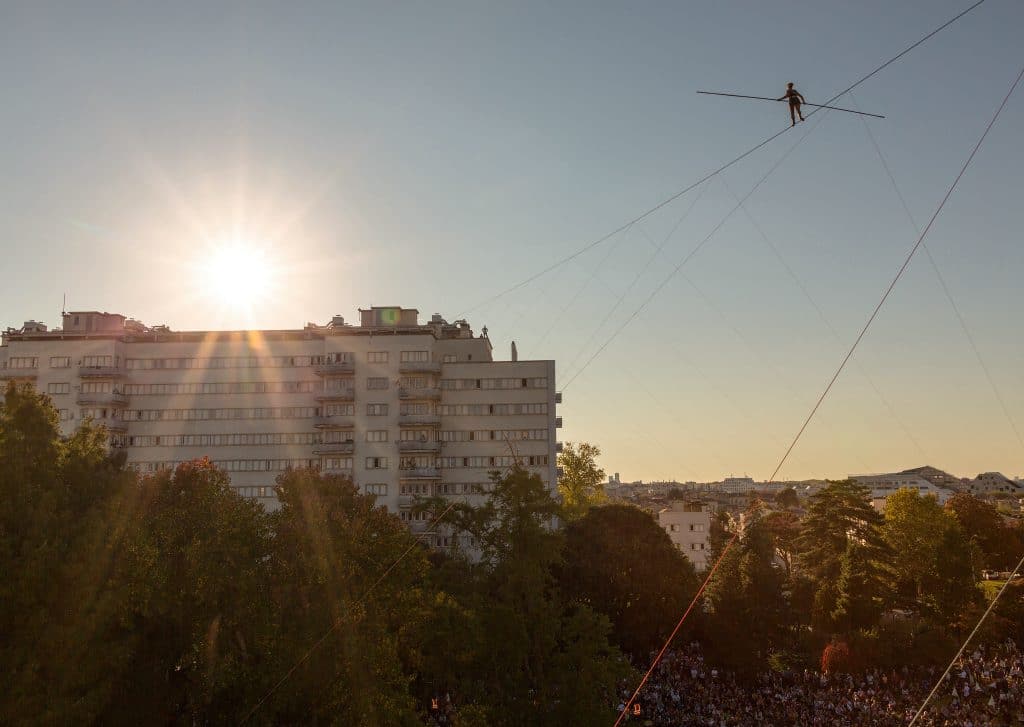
(541,658)
(582,482)
(838,514)
(787,498)
(746,601)
(1001,544)
(621,563)
(933,562)
(331,546)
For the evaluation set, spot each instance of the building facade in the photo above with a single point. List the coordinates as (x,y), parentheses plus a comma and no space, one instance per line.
(688,525)
(884,485)
(405,409)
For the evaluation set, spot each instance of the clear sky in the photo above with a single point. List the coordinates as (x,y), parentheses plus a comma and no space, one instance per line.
(431,154)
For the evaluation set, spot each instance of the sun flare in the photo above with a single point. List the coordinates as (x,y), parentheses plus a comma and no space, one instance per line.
(238,275)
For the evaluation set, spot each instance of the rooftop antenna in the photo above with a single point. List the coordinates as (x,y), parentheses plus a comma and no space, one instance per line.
(64,305)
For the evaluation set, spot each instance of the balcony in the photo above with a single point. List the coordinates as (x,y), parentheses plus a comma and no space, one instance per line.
(341,471)
(419,367)
(558,447)
(337,368)
(15,374)
(334,448)
(336,395)
(558,397)
(558,422)
(101,372)
(101,398)
(333,422)
(418,446)
(420,473)
(429,393)
(419,420)
(114,425)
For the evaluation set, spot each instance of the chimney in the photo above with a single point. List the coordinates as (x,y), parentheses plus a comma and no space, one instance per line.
(515,354)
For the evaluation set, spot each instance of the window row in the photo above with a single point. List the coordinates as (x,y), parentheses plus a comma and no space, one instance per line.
(491,409)
(505,461)
(224,387)
(238,362)
(156,415)
(22,362)
(233,465)
(224,440)
(58,388)
(491,435)
(536,382)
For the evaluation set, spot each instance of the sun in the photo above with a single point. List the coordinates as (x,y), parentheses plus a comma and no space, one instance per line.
(238,275)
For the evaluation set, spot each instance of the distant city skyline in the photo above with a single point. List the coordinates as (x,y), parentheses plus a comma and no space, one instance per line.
(268,166)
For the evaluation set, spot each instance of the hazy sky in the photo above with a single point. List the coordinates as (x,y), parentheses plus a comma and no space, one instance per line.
(432,154)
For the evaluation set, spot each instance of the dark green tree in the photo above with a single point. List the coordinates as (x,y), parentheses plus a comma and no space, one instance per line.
(621,563)
(349,586)
(62,511)
(191,578)
(839,513)
(542,658)
(787,498)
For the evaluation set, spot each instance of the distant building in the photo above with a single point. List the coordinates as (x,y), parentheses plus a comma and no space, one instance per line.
(406,409)
(937,477)
(883,485)
(688,525)
(989,483)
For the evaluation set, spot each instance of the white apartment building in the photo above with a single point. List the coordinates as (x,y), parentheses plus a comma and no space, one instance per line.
(405,409)
(688,525)
(884,485)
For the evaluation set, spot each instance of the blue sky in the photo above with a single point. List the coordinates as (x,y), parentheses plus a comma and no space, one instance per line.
(432,154)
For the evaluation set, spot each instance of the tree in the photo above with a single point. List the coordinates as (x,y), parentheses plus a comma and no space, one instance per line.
(331,549)
(745,599)
(542,659)
(61,515)
(787,498)
(582,482)
(838,513)
(784,527)
(621,563)
(860,595)
(191,577)
(1001,545)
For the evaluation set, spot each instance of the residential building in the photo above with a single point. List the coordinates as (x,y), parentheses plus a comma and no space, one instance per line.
(883,485)
(688,525)
(406,409)
(988,483)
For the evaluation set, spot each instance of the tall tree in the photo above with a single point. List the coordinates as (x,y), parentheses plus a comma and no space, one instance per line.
(543,659)
(192,578)
(838,513)
(344,627)
(622,564)
(60,518)
(745,598)
(1001,546)
(581,484)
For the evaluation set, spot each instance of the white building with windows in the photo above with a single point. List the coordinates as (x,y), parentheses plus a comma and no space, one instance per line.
(405,409)
(886,484)
(688,525)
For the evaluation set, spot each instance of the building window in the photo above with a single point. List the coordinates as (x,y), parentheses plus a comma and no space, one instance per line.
(450,358)
(22,362)
(377,382)
(415,356)
(377,435)
(376,463)
(60,362)
(380,489)
(377,357)
(376,410)
(95,361)
(64,388)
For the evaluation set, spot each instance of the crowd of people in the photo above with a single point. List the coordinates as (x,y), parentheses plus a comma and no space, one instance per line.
(985,688)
